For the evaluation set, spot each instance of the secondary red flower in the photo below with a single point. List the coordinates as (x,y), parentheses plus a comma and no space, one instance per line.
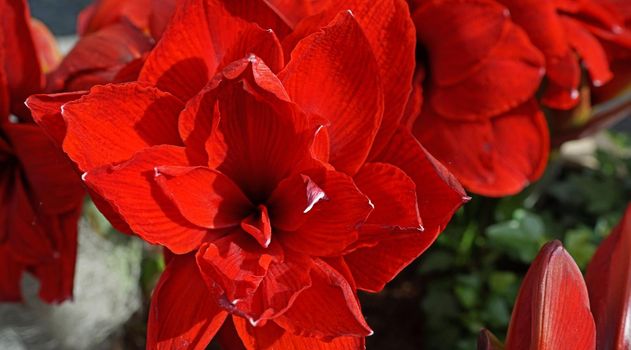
(552,308)
(276,173)
(609,282)
(40,198)
(479,116)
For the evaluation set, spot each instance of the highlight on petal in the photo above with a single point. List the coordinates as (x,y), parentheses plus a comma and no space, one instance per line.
(609,283)
(46,112)
(183,313)
(353,102)
(98,122)
(130,188)
(292,201)
(552,308)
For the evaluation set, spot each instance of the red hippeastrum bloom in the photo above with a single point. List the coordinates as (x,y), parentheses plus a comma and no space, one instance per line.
(608,280)
(271,165)
(40,197)
(552,308)
(477,87)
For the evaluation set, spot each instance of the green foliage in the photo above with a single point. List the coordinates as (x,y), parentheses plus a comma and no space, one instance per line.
(473,272)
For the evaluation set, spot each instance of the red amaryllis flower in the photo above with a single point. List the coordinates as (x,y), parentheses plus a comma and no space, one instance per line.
(40,198)
(478,115)
(272,172)
(609,283)
(568,33)
(552,308)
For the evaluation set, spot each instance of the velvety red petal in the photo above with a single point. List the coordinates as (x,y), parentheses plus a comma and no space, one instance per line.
(21,65)
(234,266)
(271,336)
(292,201)
(342,316)
(161,13)
(438,192)
(353,102)
(591,52)
(552,307)
(98,123)
(46,111)
(194,45)
(47,51)
(294,11)
(259,12)
(50,175)
(130,189)
(497,161)
(333,222)
(183,313)
(260,138)
(609,282)
(204,196)
(98,56)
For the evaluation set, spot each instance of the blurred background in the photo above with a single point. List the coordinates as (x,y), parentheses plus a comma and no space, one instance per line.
(468,280)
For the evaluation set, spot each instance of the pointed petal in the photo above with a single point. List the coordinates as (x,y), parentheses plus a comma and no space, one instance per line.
(591,52)
(332,223)
(353,102)
(342,317)
(258,225)
(609,282)
(552,307)
(46,111)
(194,45)
(97,57)
(204,196)
(183,312)
(98,122)
(438,192)
(271,336)
(129,188)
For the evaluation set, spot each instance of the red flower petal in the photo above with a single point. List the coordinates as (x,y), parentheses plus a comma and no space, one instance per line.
(487,341)
(21,66)
(50,176)
(590,50)
(47,51)
(341,317)
(197,41)
(234,266)
(609,282)
(98,122)
(204,196)
(97,57)
(497,161)
(129,187)
(353,102)
(552,307)
(332,225)
(10,276)
(271,336)
(46,111)
(258,225)
(292,201)
(183,313)
(293,11)
(161,13)
(259,12)
(438,192)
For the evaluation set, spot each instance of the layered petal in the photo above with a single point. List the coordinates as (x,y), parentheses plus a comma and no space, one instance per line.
(342,317)
(196,42)
(332,223)
(353,102)
(131,190)
(98,122)
(502,155)
(609,282)
(183,312)
(552,307)
(102,13)
(46,112)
